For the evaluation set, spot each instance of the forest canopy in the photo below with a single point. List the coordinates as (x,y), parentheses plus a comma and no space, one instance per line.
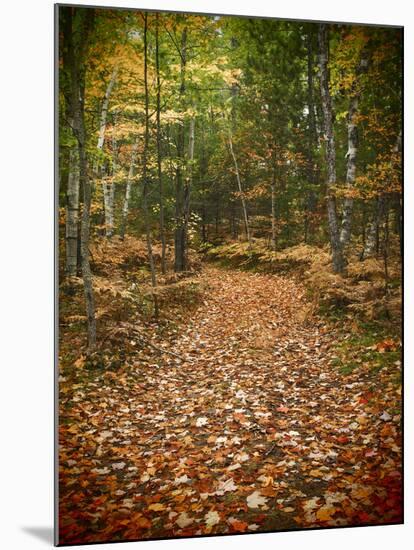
(193,130)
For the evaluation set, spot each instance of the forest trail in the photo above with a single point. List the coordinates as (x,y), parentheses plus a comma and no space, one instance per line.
(253,429)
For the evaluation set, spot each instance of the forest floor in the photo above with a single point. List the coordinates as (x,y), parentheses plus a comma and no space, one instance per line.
(249,425)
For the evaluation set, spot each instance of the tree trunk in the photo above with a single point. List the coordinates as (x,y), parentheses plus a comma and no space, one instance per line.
(372,234)
(125,207)
(109,207)
(145,174)
(345,233)
(273,201)
(159,165)
(107,189)
(179,236)
(72,215)
(73,59)
(236,167)
(337,255)
(311,200)
(187,186)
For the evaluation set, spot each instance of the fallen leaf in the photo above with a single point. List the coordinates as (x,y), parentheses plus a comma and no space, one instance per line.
(212,518)
(255,500)
(184,520)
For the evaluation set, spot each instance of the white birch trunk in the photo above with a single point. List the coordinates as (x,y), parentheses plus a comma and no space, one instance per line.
(109,211)
(345,234)
(101,140)
(125,207)
(72,215)
(104,110)
(338,261)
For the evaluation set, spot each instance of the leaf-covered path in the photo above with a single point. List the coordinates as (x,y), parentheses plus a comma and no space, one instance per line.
(251,429)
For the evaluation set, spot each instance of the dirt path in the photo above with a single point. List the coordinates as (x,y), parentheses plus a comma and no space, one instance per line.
(254,430)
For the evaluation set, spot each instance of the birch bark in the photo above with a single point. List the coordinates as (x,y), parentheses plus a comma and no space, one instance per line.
(345,233)
(336,249)
(73,60)
(125,207)
(72,215)
(107,192)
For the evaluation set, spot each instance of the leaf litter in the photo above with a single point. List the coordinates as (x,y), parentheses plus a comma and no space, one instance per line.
(253,429)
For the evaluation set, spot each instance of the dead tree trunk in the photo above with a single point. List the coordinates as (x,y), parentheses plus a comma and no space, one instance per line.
(337,254)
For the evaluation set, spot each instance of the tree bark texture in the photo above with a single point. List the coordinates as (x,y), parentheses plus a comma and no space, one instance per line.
(345,234)
(311,200)
(72,215)
(75,45)
(128,188)
(106,188)
(338,262)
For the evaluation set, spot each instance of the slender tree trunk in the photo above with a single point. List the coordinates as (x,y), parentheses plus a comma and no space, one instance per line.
(203,170)
(179,236)
(109,209)
(239,184)
(159,164)
(104,108)
(345,234)
(337,254)
(398,200)
(145,174)
(72,215)
(106,188)
(125,207)
(73,59)
(385,248)
(311,201)
(187,186)
(399,221)
(372,233)
(273,201)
